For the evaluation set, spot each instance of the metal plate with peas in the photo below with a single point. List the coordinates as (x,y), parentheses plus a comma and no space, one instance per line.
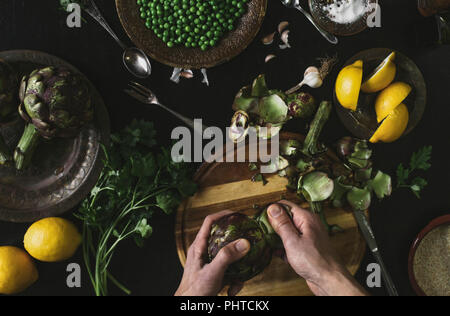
(192,34)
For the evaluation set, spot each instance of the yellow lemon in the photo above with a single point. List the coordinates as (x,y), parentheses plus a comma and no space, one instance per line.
(17,270)
(390,98)
(382,76)
(52,239)
(348,85)
(393,126)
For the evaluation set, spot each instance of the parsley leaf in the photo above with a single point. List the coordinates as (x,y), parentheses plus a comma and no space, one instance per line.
(420,160)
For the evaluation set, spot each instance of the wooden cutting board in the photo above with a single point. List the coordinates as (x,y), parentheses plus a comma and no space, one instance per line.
(228,185)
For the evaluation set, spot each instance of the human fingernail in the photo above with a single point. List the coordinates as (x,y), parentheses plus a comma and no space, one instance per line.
(274,211)
(242,245)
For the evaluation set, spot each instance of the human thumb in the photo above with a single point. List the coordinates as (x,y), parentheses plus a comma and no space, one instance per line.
(229,254)
(282,223)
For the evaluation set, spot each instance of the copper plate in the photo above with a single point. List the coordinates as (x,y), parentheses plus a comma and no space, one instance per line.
(64,170)
(363,122)
(192,58)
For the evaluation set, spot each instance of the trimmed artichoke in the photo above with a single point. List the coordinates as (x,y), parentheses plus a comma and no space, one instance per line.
(269,108)
(55,103)
(235,226)
(8,103)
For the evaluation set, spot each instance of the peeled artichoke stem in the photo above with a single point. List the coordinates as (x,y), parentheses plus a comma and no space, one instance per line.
(317,208)
(311,144)
(5,155)
(26,147)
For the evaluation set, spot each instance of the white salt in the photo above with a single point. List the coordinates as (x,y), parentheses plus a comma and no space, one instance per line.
(346,11)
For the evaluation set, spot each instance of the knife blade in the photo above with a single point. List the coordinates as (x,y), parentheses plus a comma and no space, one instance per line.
(369,236)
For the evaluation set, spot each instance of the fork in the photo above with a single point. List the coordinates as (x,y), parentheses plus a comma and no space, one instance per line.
(295,4)
(145,95)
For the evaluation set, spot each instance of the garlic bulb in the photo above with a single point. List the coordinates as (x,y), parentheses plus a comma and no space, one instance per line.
(311,78)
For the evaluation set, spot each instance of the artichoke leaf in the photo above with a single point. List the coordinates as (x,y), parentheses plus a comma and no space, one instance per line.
(340,190)
(259,87)
(272,109)
(316,186)
(381,185)
(359,199)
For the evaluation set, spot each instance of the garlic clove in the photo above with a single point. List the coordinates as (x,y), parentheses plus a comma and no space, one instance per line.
(282,26)
(187,73)
(285,40)
(267,40)
(270,57)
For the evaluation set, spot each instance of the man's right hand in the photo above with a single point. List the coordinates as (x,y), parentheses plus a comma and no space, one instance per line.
(310,253)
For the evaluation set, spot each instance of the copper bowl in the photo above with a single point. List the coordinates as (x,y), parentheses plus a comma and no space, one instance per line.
(192,58)
(440,221)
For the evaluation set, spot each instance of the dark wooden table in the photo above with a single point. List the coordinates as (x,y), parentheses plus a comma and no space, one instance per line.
(155,269)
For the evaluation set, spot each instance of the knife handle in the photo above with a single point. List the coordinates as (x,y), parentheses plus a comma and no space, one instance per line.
(390,286)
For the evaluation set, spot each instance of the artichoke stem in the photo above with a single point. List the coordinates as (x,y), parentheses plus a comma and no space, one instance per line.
(317,208)
(5,155)
(25,149)
(311,144)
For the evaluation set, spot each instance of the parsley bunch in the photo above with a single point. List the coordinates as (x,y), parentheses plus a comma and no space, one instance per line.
(138,179)
(420,160)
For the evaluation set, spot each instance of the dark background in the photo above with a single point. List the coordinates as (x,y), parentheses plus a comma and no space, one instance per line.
(155,269)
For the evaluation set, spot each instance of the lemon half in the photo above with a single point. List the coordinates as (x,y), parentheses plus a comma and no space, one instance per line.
(17,270)
(348,85)
(393,126)
(52,239)
(382,76)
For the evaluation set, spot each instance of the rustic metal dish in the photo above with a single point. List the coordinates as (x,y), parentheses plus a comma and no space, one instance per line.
(321,16)
(363,123)
(63,170)
(192,58)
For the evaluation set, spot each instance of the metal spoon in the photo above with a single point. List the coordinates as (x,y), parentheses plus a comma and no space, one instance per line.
(134,59)
(296,5)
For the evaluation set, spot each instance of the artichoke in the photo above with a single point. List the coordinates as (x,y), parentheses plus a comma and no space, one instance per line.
(301,105)
(8,103)
(268,108)
(235,226)
(55,102)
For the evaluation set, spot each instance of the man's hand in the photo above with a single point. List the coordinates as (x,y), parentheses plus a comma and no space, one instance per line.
(206,279)
(309,251)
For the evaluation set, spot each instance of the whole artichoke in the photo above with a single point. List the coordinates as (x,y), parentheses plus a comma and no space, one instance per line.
(235,226)
(8,103)
(55,102)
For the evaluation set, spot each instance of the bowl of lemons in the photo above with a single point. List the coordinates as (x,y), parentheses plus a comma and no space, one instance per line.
(380,95)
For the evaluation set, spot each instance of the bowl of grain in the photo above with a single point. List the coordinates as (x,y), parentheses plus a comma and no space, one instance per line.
(429,259)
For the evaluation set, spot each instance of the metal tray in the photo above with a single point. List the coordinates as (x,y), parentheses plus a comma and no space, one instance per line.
(63,170)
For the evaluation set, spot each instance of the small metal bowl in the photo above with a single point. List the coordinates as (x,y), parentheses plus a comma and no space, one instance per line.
(192,58)
(362,123)
(321,17)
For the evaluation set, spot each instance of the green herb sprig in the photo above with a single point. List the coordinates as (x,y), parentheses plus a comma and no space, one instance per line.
(137,180)
(420,160)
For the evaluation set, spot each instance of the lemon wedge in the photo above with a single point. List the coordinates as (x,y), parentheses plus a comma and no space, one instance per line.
(348,85)
(390,98)
(393,126)
(382,76)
